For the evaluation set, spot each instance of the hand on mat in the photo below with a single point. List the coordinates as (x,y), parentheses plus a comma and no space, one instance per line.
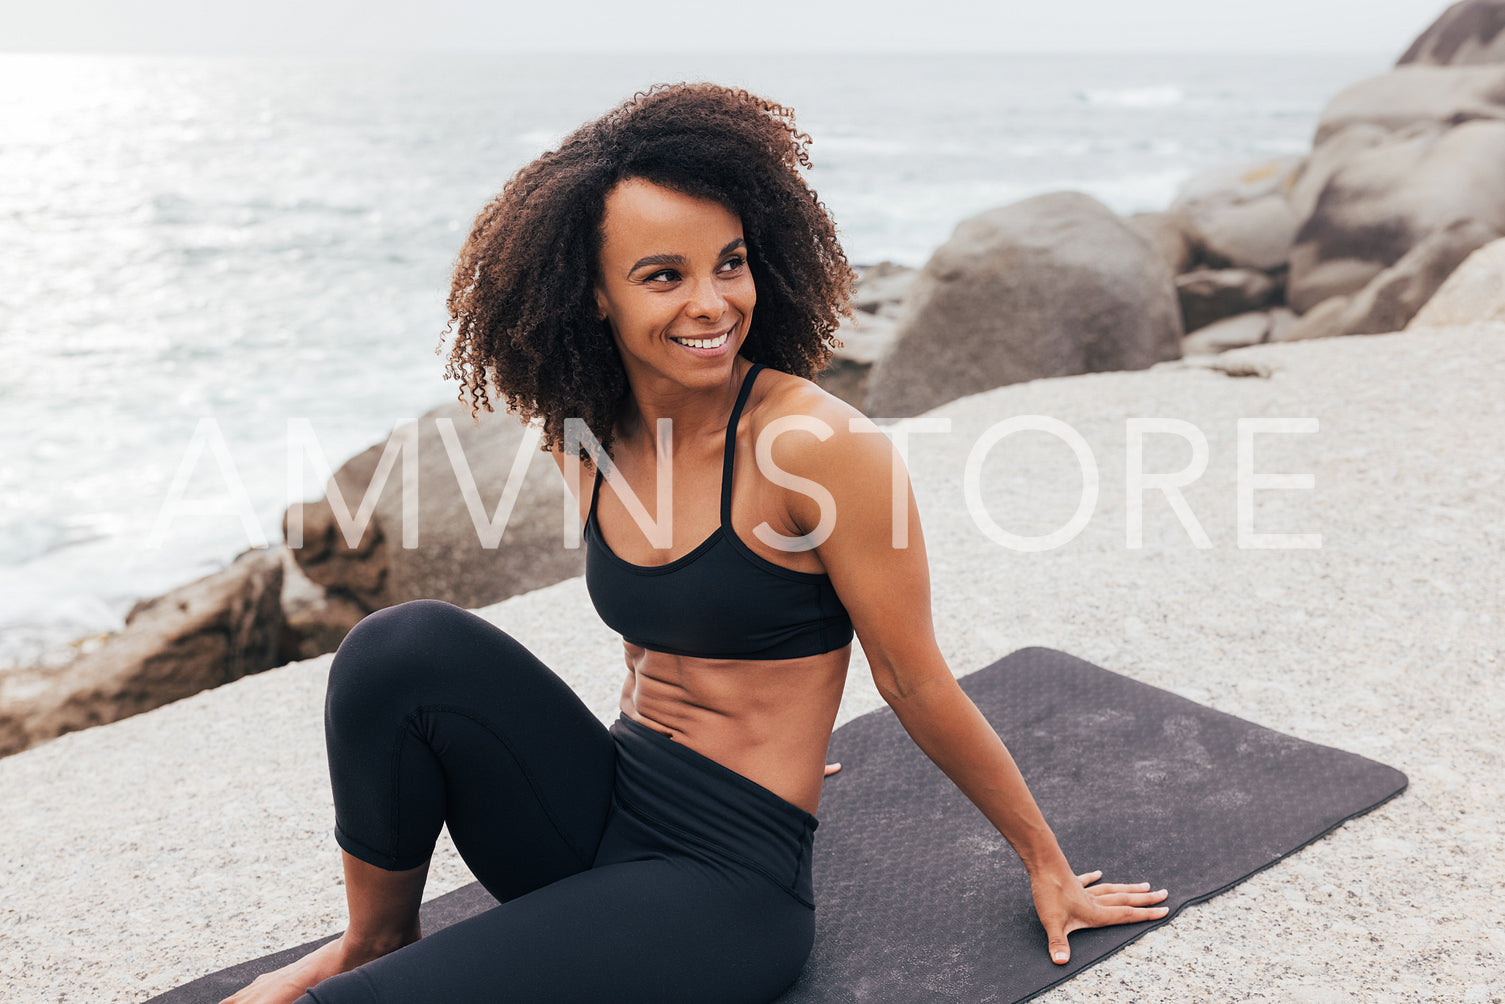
(1072,902)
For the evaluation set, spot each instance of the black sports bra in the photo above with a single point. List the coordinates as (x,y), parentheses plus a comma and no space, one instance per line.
(722,600)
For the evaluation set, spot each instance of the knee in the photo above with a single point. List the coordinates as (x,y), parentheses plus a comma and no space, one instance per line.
(388,653)
(424,651)
(398,625)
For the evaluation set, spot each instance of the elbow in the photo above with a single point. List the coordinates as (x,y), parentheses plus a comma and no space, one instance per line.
(892,696)
(902,674)
(892,687)
(898,691)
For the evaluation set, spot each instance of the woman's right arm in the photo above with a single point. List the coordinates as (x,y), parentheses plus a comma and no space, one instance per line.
(886,591)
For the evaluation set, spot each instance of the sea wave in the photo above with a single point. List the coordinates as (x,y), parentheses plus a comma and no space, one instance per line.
(1160,96)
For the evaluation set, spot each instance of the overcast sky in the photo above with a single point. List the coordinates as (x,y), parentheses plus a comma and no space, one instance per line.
(705,26)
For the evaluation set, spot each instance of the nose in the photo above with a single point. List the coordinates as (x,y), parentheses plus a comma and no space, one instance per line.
(706,300)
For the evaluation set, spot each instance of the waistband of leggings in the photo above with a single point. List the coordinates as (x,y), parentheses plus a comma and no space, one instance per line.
(698,797)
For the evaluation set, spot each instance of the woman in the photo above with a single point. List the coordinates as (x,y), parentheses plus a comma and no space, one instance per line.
(658,292)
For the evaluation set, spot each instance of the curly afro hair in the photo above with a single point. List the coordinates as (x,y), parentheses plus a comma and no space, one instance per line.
(521,303)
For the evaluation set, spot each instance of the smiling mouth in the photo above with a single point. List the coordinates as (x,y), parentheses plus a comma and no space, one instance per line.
(705,343)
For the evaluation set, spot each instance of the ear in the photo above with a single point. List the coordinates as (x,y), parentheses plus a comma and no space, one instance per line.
(601,307)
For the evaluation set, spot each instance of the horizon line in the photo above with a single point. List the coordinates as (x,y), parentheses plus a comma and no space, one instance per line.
(334,52)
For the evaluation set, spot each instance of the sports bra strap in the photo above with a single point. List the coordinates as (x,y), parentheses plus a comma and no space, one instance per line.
(728,454)
(595,493)
(731,445)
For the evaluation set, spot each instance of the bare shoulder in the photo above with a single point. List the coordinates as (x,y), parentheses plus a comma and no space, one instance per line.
(811,433)
(792,402)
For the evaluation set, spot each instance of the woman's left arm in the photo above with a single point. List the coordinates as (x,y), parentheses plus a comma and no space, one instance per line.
(886,591)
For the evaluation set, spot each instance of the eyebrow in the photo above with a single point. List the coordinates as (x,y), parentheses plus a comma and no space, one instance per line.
(679,259)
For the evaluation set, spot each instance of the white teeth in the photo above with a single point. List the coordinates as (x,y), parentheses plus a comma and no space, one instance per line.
(705,343)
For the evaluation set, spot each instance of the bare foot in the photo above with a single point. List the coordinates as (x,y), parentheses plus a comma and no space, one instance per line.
(285,985)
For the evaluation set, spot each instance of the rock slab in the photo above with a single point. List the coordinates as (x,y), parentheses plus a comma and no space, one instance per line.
(445,538)
(201,635)
(1467,33)
(1050,286)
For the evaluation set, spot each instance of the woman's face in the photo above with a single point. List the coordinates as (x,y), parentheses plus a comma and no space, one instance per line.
(675,283)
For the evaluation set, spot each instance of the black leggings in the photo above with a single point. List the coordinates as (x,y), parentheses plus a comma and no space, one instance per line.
(628,866)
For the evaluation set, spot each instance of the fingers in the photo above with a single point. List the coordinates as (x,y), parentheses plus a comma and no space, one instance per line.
(1139,898)
(1133,905)
(832,768)
(1088,878)
(1105,904)
(1106,888)
(1132,914)
(1138,894)
(1131,898)
(1124,902)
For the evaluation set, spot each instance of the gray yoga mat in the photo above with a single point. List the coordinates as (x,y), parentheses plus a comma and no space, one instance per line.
(919,899)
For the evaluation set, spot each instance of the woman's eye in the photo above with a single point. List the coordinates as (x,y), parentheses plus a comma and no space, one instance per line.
(670,275)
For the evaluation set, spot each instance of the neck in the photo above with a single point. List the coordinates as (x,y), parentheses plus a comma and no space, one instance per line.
(697,413)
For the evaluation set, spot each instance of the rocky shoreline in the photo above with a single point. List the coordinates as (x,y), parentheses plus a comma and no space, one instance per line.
(1356,237)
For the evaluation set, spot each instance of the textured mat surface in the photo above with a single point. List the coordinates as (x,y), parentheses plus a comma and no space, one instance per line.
(919,898)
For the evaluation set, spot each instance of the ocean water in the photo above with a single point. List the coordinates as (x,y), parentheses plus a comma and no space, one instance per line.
(197,250)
